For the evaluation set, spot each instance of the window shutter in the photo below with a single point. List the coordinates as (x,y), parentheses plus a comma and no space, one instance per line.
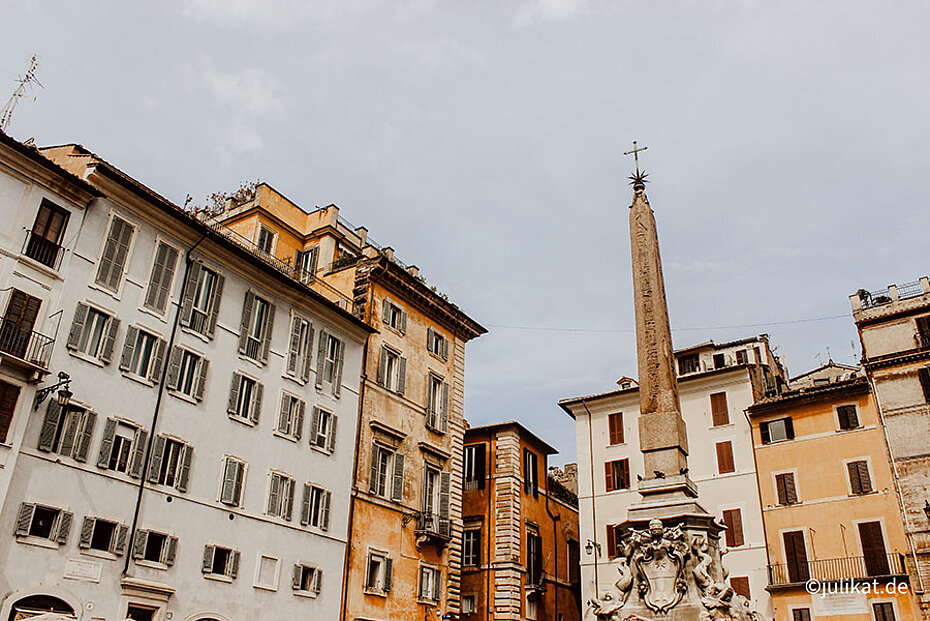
(294,346)
(164,279)
(388,574)
(87,531)
(625,473)
(923,375)
(397,489)
(77,326)
(317,578)
(106,443)
(201,379)
(789,428)
(321,358)
(284,415)
(186,455)
(732,518)
(791,491)
(257,395)
(444,408)
(228,494)
(480,457)
(445,526)
(402,326)
(234,564)
(299,423)
(138,453)
(305,506)
(308,348)
(215,304)
(854,483)
(295,577)
(724,457)
(615,424)
(401,375)
(611,541)
(119,540)
(49,426)
(247,308)
(155,276)
(421,587)
(69,434)
(115,252)
(208,553)
(764,432)
(161,345)
(190,289)
(274,492)
(382,367)
(445,348)
(267,332)
(174,368)
(158,453)
(289,499)
(64,526)
(324,513)
(865,480)
(171,550)
(331,440)
(337,368)
(24,519)
(234,393)
(385,310)
(373,471)
(719,409)
(138,544)
(609,475)
(110,340)
(740,584)
(315,425)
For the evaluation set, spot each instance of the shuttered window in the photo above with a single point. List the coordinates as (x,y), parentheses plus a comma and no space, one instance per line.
(307,580)
(725,457)
(329,360)
(187,373)
(9,396)
(103,535)
(232,482)
(315,507)
(785,488)
(393,316)
(220,561)
(122,448)
(923,374)
(859,480)
(615,427)
(256,327)
(93,333)
(847,416)
(299,348)
(155,547)
(323,427)
(733,520)
(534,558)
(67,431)
(777,430)
(200,305)
(719,409)
(379,574)
(611,541)
(796,556)
(883,611)
(386,477)
(280,496)
(530,473)
(170,463)
(437,344)
(291,416)
(143,354)
(873,549)
(245,399)
(617,474)
(392,370)
(115,254)
(802,614)
(437,403)
(740,584)
(43,522)
(161,278)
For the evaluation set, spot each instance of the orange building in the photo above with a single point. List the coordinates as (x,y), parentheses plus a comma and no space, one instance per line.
(404,557)
(520,550)
(831,515)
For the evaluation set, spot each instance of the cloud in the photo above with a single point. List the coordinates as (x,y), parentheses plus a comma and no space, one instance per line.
(290,11)
(250,89)
(548,11)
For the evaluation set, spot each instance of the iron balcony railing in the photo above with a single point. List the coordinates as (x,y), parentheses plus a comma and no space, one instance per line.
(44,251)
(836,569)
(433,524)
(20,341)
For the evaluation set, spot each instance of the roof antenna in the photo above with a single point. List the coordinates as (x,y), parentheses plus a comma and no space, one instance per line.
(23,84)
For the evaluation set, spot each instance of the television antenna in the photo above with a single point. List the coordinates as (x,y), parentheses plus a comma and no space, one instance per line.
(23,86)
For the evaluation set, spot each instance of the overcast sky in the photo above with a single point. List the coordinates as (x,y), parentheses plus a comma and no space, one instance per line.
(788,153)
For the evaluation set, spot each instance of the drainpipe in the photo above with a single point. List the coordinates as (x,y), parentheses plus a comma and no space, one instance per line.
(158,399)
(597,589)
(555,541)
(487,591)
(755,465)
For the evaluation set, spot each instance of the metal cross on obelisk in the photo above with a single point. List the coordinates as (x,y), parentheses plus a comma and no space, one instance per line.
(635,153)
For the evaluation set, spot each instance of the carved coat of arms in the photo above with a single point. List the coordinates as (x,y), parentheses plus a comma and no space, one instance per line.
(658,556)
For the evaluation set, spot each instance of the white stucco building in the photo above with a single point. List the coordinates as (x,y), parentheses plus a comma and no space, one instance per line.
(716,382)
(202,468)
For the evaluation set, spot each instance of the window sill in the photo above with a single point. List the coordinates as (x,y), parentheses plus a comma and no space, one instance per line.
(321,449)
(219,578)
(729,425)
(160,316)
(113,294)
(138,379)
(285,436)
(203,337)
(86,358)
(141,562)
(183,396)
(427,601)
(103,554)
(375,592)
(39,542)
(265,587)
(260,364)
(438,357)
(41,267)
(308,594)
(248,422)
(297,380)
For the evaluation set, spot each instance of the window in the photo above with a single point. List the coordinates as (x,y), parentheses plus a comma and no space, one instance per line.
(307,579)
(201,302)
(874,552)
(280,496)
(688,364)
(187,373)
(534,558)
(18,322)
(742,356)
(615,427)
(256,327)
(171,463)
(847,417)
(393,316)
(67,431)
(801,614)
(475,456)
(923,331)
(882,611)
(93,333)
(468,604)
(323,430)
(720,361)
(219,561)
(617,474)
(725,457)
(740,584)
(305,262)
(471,547)
(245,399)
(143,354)
(315,509)
(392,371)
(378,576)
(859,480)
(574,562)
(161,278)
(437,403)
(43,522)
(154,547)
(387,473)
(43,242)
(122,448)
(733,520)
(777,430)
(329,362)
(437,344)
(719,410)
(434,516)
(140,613)
(612,538)
(785,488)
(923,375)
(291,416)
(430,579)
(265,240)
(298,355)
(530,473)
(115,253)
(9,395)
(233,481)
(103,536)
(796,556)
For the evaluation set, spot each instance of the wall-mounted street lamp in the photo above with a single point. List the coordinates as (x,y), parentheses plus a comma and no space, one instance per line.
(64,395)
(592,547)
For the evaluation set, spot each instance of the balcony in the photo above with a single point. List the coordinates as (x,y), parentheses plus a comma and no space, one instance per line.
(854,568)
(25,345)
(46,252)
(431,527)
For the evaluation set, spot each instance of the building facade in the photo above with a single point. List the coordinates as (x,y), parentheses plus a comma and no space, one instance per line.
(716,383)
(197,470)
(829,504)
(894,329)
(521,552)
(406,524)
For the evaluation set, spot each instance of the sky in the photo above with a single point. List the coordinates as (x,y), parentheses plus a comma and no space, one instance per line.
(482,140)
